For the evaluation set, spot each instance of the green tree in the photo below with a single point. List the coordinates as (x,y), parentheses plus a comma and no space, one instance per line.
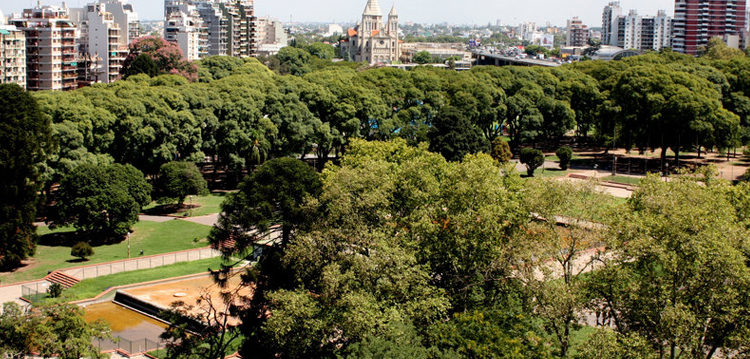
(55,290)
(564,154)
(532,158)
(453,136)
(294,61)
(422,57)
(177,180)
(25,138)
(678,274)
(271,196)
(501,150)
(57,329)
(82,250)
(142,64)
(321,50)
(102,201)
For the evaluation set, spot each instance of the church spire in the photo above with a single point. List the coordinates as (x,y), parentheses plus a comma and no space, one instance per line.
(393,11)
(373,8)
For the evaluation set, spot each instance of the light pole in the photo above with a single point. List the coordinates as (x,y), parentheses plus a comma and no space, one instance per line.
(128,235)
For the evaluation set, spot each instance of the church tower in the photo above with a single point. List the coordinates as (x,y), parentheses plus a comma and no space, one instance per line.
(372,18)
(393,22)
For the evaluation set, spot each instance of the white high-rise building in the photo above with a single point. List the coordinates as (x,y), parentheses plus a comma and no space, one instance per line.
(633,31)
(185,28)
(609,23)
(106,29)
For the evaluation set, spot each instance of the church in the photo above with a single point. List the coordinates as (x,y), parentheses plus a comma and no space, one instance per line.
(373,41)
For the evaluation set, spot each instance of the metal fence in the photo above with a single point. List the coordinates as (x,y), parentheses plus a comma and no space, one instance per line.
(132,347)
(35,291)
(141,263)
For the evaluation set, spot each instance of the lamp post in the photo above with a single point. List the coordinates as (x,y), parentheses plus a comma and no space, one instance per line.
(128,235)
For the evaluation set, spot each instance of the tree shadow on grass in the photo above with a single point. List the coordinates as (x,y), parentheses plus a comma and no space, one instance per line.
(69,239)
(77,260)
(165,209)
(60,239)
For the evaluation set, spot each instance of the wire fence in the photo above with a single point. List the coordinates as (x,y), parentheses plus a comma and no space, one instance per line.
(141,263)
(35,292)
(132,347)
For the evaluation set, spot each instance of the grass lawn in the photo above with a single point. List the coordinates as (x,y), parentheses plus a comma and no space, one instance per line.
(90,288)
(206,205)
(547,172)
(633,181)
(53,250)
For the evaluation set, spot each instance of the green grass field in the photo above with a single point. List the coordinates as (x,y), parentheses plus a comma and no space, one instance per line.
(53,250)
(206,205)
(90,288)
(633,181)
(547,172)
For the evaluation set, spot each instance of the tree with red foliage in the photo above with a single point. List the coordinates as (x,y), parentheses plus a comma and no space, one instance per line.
(166,55)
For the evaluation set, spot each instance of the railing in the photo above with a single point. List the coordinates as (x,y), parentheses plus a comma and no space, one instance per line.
(35,292)
(131,347)
(141,263)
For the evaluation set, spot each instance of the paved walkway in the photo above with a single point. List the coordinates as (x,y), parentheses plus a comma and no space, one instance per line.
(208,220)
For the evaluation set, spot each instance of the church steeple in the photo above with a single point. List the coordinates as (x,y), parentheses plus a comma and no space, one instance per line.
(393,21)
(372,8)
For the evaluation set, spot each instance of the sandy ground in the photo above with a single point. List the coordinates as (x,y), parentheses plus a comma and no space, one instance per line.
(189,291)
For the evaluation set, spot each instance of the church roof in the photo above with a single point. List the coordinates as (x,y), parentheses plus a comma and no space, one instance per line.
(393,11)
(352,33)
(372,8)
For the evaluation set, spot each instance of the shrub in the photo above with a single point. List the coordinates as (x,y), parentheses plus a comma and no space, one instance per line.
(501,150)
(55,290)
(565,154)
(532,158)
(82,250)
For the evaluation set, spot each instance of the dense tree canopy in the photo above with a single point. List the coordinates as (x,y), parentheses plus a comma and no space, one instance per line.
(102,202)
(25,138)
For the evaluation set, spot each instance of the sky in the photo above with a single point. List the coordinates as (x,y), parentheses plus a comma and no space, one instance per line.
(481,12)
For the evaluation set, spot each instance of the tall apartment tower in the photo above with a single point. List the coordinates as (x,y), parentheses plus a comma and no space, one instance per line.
(228,26)
(51,48)
(696,21)
(12,54)
(106,28)
(610,17)
(578,33)
(185,28)
(633,31)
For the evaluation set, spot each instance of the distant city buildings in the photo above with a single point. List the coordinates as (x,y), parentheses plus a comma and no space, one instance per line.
(696,21)
(633,31)
(577,33)
(12,54)
(106,28)
(212,27)
(373,41)
(51,48)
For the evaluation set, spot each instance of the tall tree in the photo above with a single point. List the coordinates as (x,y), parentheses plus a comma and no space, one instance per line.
(25,140)
(454,136)
(102,202)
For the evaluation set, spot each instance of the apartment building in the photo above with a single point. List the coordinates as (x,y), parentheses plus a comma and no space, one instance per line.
(697,21)
(186,29)
(577,33)
(51,48)
(228,27)
(633,31)
(271,31)
(12,55)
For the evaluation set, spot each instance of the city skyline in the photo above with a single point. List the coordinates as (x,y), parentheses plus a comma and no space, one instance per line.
(508,12)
